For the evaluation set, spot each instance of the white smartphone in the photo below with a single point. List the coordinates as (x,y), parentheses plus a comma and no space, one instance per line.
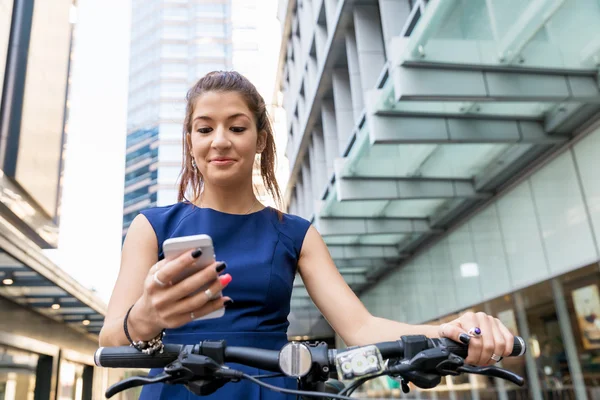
(176,246)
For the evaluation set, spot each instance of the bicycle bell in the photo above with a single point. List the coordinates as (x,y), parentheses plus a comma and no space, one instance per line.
(295,359)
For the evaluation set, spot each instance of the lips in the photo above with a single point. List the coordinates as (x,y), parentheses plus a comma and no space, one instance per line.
(222,161)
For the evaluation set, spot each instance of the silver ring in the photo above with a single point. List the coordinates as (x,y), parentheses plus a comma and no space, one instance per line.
(496,358)
(209,294)
(192,316)
(158,281)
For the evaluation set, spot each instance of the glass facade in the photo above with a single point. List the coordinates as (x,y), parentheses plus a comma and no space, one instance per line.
(70,384)
(17,374)
(404,118)
(44,116)
(171,49)
(530,259)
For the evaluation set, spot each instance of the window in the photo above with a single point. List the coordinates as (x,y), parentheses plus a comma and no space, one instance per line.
(18,373)
(211,10)
(70,385)
(173,70)
(170,153)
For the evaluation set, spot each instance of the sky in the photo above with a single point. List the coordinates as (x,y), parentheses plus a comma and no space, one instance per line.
(89,247)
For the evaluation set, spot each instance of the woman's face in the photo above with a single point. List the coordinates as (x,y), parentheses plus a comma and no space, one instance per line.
(224,140)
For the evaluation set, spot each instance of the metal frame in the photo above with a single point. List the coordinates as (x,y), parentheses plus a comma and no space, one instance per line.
(431,84)
(370,188)
(399,129)
(49,275)
(575,94)
(340,252)
(333,226)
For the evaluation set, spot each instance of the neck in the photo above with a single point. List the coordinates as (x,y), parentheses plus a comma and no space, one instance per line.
(231,200)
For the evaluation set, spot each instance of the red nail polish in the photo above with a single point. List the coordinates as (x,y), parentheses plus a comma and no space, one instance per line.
(225,279)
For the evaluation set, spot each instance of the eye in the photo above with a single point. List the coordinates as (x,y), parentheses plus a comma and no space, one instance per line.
(204,130)
(237,129)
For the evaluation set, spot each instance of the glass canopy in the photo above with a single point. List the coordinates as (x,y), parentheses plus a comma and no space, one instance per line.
(471,95)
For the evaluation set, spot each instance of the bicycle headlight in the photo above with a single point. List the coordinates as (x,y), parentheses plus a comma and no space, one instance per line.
(360,362)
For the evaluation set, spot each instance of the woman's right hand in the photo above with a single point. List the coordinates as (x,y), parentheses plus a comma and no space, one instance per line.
(166,305)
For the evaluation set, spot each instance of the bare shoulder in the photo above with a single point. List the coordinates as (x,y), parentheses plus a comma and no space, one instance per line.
(140,233)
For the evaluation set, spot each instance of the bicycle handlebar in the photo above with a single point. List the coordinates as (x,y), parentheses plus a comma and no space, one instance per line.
(200,367)
(129,357)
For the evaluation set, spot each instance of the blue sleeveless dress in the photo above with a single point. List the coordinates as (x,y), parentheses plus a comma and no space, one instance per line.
(261,251)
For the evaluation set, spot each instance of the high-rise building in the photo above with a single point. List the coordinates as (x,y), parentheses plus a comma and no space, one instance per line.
(173,44)
(49,322)
(447,152)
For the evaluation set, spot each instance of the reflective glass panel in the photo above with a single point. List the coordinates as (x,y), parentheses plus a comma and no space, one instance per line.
(17,374)
(542,33)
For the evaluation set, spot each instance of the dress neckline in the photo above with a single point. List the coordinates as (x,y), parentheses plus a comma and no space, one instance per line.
(225,213)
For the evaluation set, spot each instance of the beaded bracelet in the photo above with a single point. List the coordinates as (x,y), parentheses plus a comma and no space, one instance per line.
(145,346)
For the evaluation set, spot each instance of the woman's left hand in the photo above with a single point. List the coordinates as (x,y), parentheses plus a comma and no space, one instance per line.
(489,338)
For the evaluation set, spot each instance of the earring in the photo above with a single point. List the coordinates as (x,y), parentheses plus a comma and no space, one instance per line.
(194,163)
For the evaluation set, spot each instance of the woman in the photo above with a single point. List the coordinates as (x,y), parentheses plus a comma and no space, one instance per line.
(226,126)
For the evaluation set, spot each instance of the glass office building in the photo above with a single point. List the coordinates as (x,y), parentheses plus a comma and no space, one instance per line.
(173,44)
(48,322)
(460,140)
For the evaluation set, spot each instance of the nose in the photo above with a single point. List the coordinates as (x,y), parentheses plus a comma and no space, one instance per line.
(220,139)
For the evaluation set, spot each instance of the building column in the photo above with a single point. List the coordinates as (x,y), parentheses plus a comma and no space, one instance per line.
(564,321)
(320,162)
(320,42)
(392,11)
(316,188)
(300,203)
(309,200)
(329,134)
(369,42)
(342,98)
(305,15)
(13,89)
(535,388)
(354,73)
(330,12)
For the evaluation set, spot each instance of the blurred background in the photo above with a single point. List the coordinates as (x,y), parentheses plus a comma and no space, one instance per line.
(447,150)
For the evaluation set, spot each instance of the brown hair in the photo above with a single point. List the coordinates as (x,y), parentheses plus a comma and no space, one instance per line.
(229,81)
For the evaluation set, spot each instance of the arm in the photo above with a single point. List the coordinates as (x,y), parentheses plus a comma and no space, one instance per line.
(140,252)
(157,306)
(356,326)
(331,294)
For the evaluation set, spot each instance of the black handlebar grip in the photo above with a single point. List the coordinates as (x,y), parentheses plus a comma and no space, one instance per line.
(129,357)
(461,350)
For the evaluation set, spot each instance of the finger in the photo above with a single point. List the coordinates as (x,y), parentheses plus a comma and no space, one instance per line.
(460,327)
(198,300)
(487,338)
(211,306)
(194,282)
(499,341)
(509,338)
(157,265)
(173,268)
(153,282)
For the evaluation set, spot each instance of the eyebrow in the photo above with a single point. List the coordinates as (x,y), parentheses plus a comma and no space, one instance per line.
(207,118)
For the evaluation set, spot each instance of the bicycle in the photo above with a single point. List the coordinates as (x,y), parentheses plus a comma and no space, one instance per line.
(201,367)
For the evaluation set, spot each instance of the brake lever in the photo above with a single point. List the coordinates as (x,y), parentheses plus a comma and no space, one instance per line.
(494,372)
(135,381)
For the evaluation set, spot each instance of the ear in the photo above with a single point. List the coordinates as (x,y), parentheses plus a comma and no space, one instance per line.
(188,142)
(261,141)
